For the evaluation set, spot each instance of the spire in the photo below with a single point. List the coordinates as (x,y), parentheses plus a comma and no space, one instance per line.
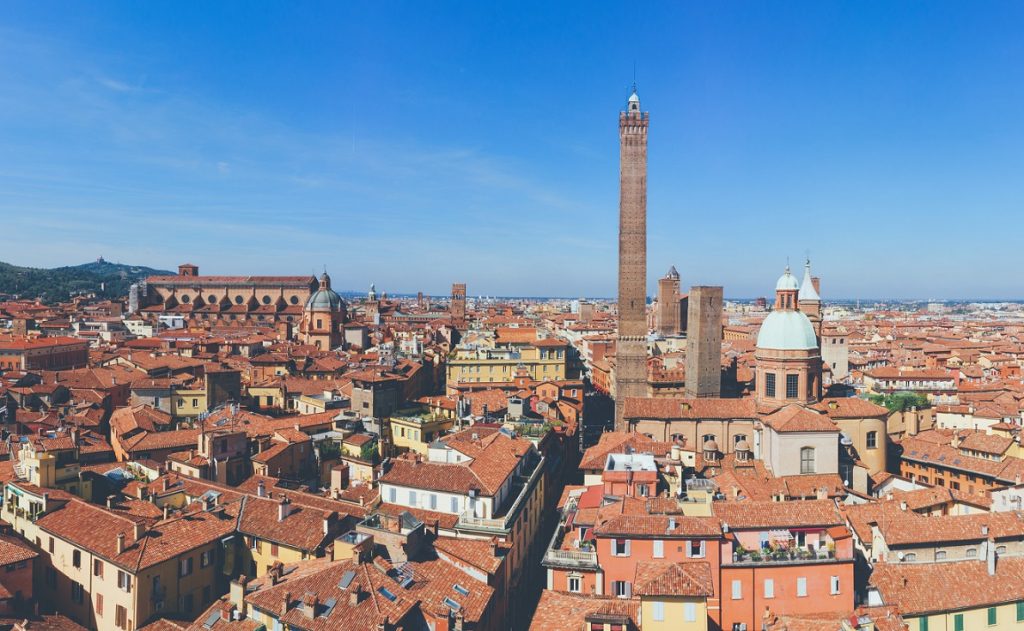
(807,290)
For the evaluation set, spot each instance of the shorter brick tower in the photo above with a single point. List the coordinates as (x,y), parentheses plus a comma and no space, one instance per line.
(669,316)
(704,342)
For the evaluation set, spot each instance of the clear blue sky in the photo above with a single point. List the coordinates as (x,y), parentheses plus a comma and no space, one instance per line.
(416,144)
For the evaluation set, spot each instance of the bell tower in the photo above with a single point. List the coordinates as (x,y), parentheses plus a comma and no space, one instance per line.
(631,345)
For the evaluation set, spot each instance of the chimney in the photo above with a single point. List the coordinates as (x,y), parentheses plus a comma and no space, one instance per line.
(141,492)
(822,493)
(992,557)
(903,505)
(355,594)
(284,508)
(329,521)
(285,601)
(167,511)
(236,592)
(111,499)
(120,542)
(261,489)
(140,530)
(165,483)
(226,612)
(310,602)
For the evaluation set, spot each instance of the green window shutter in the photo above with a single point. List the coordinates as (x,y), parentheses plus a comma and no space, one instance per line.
(991,615)
(924,624)
(1020,611)
(958,622)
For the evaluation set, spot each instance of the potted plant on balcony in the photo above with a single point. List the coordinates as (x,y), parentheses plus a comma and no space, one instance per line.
(755,556)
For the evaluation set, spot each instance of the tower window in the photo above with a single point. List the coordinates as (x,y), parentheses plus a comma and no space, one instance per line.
(792,386)
(872,440)
(769,384)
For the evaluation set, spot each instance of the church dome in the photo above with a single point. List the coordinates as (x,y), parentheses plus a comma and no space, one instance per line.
(785,330)
(787,282)
(324,300)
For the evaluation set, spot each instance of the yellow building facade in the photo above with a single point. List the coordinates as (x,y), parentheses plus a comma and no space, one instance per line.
(472,365)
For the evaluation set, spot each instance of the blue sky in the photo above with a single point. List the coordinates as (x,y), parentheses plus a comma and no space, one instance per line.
(416,144)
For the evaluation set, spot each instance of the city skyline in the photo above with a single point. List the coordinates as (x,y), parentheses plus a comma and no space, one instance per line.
(145,139)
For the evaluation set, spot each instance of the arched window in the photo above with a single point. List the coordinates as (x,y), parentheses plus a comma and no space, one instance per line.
(807,464)
(738,437)
(940,555)
(910,557)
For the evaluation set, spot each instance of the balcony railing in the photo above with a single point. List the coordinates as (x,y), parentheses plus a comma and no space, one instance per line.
(571,557)
(780,557)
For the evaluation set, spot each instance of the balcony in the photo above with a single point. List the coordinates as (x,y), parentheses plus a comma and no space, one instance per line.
(794,556)
(571,558)
(556,556)
(522,487)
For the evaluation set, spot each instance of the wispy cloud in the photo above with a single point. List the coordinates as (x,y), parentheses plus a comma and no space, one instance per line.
(122,164)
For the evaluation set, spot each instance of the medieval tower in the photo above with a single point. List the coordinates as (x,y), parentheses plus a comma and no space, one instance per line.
(631,346)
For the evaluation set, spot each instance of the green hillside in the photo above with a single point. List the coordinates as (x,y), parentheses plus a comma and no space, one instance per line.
(105,279)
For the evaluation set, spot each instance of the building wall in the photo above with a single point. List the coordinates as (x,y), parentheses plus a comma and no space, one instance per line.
(806,364)
(835,352)
(259,554)
(623,568)
(782,452)
(857,430)
(1006,619)
(750,606)
(724,431)
(674,614)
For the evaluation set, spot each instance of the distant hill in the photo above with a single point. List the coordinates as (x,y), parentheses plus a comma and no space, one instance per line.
(105,279)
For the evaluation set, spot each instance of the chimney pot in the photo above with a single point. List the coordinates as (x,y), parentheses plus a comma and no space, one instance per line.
(120,542)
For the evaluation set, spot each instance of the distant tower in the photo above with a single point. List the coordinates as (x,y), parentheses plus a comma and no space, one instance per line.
(457,309)
(809,300)
(668,320)
(631,346)
(704,343)
(372,294)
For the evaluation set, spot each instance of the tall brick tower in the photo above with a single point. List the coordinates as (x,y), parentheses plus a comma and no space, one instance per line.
(457,307)
(631,346)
